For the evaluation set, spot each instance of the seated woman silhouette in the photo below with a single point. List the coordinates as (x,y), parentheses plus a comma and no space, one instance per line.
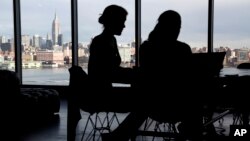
(163,57)
(166,60)
(103,69)
(104,60)
(164,75)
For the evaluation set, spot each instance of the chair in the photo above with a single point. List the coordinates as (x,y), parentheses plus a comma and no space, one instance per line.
(153,128)
(168,129)
(77,76)
(97,121)
(239,103)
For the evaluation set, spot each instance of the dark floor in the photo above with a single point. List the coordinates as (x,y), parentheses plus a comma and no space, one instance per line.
(54,128)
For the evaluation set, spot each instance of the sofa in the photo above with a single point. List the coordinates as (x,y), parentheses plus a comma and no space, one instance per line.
(29,102)
(40,101)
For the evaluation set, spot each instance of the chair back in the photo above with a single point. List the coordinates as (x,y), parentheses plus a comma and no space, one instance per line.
(78,78)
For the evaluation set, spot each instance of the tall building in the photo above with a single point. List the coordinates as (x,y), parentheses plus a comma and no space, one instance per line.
(42,42)
(2,39)
(56,30)
(60,39)
(49,42)
(36,41)
(25,40)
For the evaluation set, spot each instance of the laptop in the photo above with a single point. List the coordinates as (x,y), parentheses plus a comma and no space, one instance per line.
(208,63)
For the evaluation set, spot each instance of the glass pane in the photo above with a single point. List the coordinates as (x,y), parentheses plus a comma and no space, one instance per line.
(88,14)
(7,50)
(194,14)
(46,36)
(231,30)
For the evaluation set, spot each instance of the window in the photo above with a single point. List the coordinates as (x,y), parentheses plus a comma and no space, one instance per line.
(7,50)
(194,20)
(88,27)
(47,44)
(231,30)
(46,38)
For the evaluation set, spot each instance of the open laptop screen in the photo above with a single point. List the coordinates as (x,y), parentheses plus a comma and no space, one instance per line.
(208,63)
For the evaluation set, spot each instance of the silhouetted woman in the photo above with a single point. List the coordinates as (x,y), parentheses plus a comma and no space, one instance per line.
(104,68)
(165,65)
(104,60)
(162,49)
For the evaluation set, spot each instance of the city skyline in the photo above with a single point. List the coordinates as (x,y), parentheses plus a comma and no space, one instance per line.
(231,29)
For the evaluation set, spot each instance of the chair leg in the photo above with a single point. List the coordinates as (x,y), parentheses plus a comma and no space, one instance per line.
(152,128)
(99,125)
(85,128)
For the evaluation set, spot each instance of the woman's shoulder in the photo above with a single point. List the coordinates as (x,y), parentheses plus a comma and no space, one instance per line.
(146,44)
(95,43)
(97,38)
(183,44)
(101,38)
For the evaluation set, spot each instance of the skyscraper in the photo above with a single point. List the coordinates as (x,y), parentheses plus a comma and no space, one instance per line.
(56,30)
(36,41)
(2,39)
(60,39)
(49,42)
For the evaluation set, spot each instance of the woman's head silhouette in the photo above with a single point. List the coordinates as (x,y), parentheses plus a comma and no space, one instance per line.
(168,26)
(113,19)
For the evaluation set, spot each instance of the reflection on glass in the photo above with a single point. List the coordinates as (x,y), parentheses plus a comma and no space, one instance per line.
(46,39)
(88,27)
(7,51)
(231,30)
(194,20)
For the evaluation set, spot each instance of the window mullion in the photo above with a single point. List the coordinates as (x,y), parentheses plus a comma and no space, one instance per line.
(137,30)
(74,27)
(17,38)
(210,25)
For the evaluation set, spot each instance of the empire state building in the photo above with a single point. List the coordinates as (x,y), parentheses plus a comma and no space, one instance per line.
(56,30)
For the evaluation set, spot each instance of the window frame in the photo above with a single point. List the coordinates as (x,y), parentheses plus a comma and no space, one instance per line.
(74,30)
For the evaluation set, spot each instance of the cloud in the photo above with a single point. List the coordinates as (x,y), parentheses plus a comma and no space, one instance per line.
(39,5)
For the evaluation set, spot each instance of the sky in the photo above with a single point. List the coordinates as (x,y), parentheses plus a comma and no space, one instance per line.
(231,23)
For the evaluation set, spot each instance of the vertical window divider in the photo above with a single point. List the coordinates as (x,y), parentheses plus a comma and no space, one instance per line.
(137,30)
(17,38)
(74,30)
(210,25)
